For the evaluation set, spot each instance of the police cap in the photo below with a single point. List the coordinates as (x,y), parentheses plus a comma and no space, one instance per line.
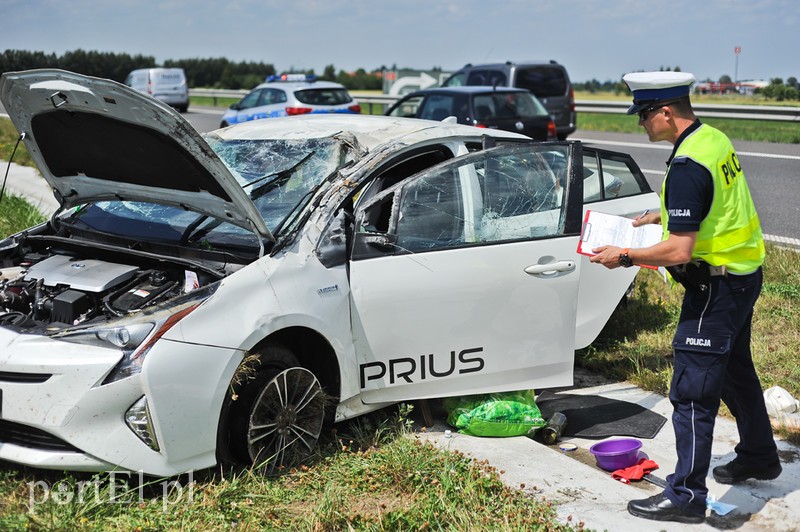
(651,88)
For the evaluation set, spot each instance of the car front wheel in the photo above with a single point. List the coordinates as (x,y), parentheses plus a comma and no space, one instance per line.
(286,419)
(278,415)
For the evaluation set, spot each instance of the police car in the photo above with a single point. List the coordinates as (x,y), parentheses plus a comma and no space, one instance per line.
(220,298)
(290,95)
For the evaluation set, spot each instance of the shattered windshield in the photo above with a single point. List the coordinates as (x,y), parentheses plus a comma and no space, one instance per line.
(279,176)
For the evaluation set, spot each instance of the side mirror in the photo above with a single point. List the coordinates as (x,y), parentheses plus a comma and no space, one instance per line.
(235,106)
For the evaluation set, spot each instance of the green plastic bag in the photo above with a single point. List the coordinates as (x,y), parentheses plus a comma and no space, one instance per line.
(497,415)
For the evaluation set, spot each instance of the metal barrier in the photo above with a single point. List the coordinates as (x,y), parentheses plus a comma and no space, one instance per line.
(742,112)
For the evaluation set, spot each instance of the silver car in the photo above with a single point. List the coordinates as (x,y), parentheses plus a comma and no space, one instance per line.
(290,95)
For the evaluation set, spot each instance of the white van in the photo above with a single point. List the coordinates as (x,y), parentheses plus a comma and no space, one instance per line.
(165,84)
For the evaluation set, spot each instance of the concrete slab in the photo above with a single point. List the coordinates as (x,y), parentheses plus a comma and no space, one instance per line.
(582,492)
(28,183)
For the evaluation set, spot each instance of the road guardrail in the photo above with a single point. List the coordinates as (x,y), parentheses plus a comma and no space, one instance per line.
(740,112)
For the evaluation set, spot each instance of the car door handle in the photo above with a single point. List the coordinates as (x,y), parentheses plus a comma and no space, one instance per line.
(551,268)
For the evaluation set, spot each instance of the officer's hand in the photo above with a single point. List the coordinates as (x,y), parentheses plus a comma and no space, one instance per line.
(608,256)
(649,218)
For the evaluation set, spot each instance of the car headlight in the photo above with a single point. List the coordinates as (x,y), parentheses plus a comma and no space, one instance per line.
(136,335)
(126,337)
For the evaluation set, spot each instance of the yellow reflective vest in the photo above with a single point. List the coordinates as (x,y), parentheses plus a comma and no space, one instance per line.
(730,235)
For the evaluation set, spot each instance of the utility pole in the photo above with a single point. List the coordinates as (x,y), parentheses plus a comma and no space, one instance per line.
(736,50)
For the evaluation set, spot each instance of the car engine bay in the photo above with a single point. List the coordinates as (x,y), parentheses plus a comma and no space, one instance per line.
(53,287)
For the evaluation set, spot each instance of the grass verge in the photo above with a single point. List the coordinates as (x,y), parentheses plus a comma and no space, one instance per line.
(8,139)
(377,476)
(748,130)
(17,214)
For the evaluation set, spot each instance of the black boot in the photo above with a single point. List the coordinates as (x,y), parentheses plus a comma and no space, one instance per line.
(735,472)
(659,508)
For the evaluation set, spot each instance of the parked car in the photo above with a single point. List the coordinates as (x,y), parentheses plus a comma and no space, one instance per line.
(503,108)
(218,298)
(166,84)
(547,80)
(290,95)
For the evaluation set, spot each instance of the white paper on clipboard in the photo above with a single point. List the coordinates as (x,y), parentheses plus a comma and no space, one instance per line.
(601,229)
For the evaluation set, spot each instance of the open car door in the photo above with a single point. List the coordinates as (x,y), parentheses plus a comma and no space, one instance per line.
(465,277)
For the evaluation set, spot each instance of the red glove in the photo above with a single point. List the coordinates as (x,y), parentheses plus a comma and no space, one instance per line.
(634,472)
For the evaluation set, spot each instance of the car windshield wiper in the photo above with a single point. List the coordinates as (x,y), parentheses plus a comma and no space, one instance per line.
(194,231)
(298,207)
(275,179)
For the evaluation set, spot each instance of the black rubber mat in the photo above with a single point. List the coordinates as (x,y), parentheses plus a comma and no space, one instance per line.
(593,416)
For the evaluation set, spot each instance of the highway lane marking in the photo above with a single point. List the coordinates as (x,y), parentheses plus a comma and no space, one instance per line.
(783,240)
(669,148)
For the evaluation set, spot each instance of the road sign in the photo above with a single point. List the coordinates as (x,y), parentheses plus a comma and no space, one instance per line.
(400,82)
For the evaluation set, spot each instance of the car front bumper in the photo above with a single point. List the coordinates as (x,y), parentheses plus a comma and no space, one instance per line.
(55,414)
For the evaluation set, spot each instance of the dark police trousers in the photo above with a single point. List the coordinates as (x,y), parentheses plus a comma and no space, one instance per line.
(713,361)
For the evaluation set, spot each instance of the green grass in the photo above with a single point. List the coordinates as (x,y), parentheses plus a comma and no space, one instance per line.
(8,139)
(378,477)
(752,130)
(206,101)
(17,214)
(723,99)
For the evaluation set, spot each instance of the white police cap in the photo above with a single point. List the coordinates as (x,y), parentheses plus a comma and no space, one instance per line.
(650,88)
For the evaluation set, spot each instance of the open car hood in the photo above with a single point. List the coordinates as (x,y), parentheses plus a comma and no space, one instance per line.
(95,139)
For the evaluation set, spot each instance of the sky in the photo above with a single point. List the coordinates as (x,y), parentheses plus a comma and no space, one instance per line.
(594,39)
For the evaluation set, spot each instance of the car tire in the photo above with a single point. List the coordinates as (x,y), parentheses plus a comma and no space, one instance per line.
(223,124)
(277,415)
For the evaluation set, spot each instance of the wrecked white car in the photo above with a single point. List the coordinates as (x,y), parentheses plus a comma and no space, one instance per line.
(220,298)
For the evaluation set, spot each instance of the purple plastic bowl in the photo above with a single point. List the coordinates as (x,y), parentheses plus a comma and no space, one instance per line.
(616,454)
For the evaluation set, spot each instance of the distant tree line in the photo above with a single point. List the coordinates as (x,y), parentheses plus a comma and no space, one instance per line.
(781,91)
(98,64)
(218,73)
(776,90)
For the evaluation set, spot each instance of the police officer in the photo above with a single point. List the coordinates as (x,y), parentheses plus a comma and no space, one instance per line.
(712,244)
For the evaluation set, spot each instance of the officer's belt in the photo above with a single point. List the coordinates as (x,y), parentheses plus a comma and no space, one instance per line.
(696,274)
